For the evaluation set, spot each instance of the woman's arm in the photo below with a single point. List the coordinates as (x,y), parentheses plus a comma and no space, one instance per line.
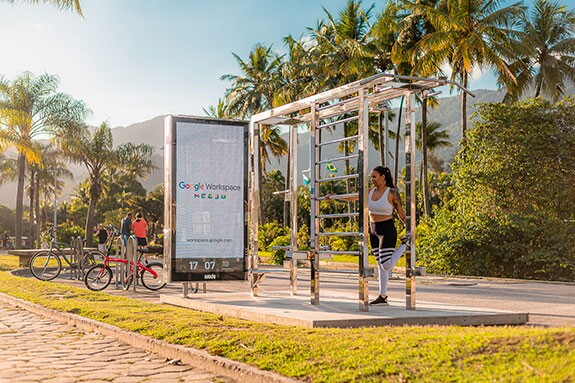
(396,202)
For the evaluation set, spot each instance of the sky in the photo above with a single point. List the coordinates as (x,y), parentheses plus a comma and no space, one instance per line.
(132,60)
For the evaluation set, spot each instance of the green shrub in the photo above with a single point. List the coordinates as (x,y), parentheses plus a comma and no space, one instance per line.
(303,238)
(268,232)
(278,255)
(67,230)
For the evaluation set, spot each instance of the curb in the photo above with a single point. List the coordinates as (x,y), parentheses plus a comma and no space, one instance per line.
(216,364)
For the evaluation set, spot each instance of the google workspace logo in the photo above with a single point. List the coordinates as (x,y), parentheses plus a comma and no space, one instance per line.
(199,187)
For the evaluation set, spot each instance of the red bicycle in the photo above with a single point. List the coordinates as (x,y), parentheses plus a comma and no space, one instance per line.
(99,276)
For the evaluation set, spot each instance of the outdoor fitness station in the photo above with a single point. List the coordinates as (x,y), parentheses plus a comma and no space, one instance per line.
(351,103)
(212,203)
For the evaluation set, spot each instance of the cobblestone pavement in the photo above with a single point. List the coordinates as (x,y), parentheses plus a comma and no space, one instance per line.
(35,349)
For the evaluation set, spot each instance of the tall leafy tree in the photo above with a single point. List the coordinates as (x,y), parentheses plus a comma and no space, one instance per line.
(7,168)
(217,111)
(95,150)
(253,91)
(31,107)
(546,48)
(512,197)
(467,34)
(434,138)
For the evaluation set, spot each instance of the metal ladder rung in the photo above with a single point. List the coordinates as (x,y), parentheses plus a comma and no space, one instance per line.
(339,159)
(338,140)
(339,215)
(342,121)
(339,234)
(334,271)
(339,196)
(338,103)
(356,252)
(345,177)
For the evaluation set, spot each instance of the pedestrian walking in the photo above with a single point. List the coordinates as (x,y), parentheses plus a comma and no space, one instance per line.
(126,226)
(4,239)
(140,227)
(102,238)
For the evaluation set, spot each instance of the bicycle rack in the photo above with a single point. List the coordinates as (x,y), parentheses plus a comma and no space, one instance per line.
(132,258)
(120,268)
(75,258)
(73,250)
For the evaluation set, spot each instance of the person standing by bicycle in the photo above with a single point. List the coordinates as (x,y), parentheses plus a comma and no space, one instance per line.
(5,240)
(140,228)
(102,238)
(126,226)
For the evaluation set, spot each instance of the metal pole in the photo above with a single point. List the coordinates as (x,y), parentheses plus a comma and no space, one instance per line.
(315,157)
(55,205)
(292,180)
(362,168)
(386,121)
(410,200)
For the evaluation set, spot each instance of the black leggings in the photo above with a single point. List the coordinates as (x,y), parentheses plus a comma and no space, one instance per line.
(382,235)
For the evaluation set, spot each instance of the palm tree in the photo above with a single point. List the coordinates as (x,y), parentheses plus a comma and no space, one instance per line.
(343,57)
(96,151)
(468,34)
(433,138)
(60,4)
(546,51)
(7,168)
(253,92)
(31,107)
(42,183)
(342,44)
(218,111)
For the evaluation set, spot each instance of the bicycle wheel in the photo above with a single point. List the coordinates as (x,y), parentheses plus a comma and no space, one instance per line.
(91,258)
(98,277)
(45,265)
(147,278)
(127,282)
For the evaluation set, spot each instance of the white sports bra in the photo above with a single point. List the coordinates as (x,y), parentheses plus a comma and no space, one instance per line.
(381,206)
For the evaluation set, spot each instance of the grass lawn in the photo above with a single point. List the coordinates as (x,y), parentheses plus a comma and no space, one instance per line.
(374,354)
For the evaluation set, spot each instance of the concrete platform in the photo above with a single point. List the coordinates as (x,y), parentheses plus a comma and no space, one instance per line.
(338,309)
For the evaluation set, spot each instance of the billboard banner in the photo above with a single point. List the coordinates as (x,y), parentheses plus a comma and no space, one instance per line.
(206,174)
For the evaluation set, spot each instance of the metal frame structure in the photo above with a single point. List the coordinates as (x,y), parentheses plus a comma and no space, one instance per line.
(351,102)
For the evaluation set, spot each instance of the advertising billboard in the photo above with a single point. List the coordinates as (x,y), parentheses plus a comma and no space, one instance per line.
(205,219)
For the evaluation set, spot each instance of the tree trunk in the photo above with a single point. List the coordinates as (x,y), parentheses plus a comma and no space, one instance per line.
(464,113)
(95,190)
(90,222)
(424,180)
(537,89)
(31,194)
(19,202)
(37,209)
(396,157)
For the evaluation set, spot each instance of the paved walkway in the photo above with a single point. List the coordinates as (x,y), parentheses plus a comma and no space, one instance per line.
(35,349)
(548,303)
